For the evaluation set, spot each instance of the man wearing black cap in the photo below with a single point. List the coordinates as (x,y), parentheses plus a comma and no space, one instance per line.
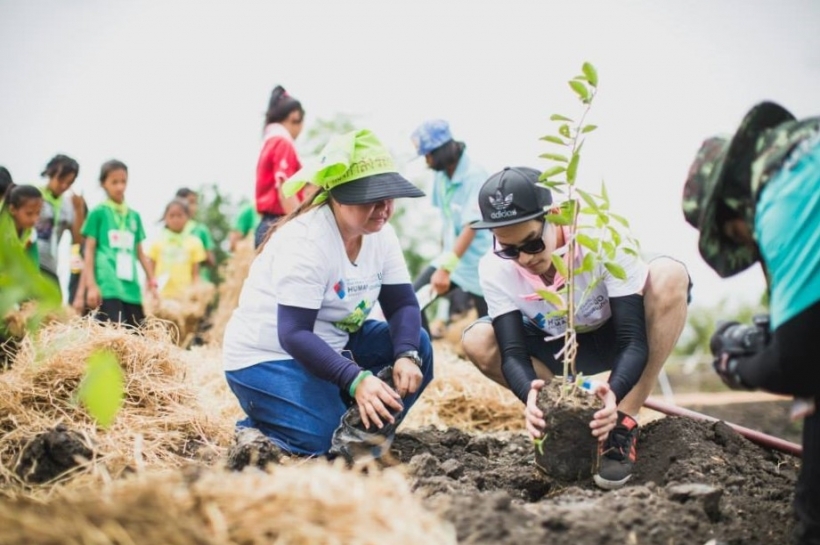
(628,327)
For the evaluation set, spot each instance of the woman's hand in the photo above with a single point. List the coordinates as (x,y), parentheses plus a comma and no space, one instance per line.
(605,419)
(374,396)
(535,416)
(440,281)
(406,376)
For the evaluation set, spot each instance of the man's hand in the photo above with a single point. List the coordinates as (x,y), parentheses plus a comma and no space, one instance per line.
(533,415)
(726,366)
(604,420)
(440,281)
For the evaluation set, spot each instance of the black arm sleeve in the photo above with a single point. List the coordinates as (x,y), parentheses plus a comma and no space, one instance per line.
(629,320)
(296,336)
(516,365)
(789,364)
(401,308)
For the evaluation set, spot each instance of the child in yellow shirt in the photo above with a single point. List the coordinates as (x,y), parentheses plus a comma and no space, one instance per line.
(176,254)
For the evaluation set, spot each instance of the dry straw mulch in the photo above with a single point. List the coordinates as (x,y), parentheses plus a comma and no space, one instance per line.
(161,424)
(312,503)
(185,314)
(460,396)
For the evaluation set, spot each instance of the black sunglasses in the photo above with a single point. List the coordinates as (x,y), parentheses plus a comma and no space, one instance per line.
(531,247)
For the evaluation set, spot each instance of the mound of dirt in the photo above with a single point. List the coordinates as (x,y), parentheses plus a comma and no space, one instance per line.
(694,482)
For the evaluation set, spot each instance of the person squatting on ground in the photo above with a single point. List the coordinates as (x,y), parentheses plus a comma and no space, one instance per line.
(176,254)
(61,212)
(278,160)
(306,302)
(113,245)
(200,231)
(627,326)
(755,198)
(455,193)
(20,208)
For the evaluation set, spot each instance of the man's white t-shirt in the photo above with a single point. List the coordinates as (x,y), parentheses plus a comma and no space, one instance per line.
(304,264)
(507,287)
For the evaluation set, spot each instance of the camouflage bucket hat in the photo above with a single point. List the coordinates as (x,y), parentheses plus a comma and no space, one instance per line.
(721,175)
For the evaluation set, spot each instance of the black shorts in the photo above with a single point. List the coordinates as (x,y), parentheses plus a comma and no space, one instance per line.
(595,348)
(114,310)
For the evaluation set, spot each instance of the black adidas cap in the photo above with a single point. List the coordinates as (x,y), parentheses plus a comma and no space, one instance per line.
(512,196)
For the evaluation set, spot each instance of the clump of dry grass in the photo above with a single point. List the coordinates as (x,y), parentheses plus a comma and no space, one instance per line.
(460,396)
(236,270)
(312,503)
(207,378)
(161,424)
(183,315)
(16,321)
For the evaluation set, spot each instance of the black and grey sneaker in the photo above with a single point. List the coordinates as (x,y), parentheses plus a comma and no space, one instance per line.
(618,454)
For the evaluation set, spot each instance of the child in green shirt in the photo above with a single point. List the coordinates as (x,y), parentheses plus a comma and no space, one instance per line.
(114,235)
(21,206)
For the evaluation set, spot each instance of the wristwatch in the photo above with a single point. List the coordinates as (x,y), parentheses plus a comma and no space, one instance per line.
(411,355)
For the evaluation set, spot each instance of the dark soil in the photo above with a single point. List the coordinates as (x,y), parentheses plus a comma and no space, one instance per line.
(568,452)
(694,482)
(51,454)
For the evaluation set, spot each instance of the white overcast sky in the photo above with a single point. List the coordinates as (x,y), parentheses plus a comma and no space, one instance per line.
(177,89)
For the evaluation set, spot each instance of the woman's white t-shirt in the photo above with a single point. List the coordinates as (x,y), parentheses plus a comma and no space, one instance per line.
(304,264)
(507,287)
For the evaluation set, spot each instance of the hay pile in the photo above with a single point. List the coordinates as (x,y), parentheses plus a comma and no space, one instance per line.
(183,316)
(236,270)
(313,503)
(460,396)
(160,425)
(207,378)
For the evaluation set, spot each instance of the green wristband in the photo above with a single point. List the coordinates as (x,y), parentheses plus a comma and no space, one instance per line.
(449,261)
(360,377)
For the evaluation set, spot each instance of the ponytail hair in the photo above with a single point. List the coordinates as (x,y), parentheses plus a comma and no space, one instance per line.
(305,206)
(281,105)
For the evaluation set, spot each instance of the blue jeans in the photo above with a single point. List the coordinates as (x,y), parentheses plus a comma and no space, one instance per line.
(299,411)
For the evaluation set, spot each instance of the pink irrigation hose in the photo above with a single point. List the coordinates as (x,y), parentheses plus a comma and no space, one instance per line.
(752,435)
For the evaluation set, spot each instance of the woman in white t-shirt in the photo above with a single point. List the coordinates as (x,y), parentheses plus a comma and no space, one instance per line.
(517,343)
(299,349)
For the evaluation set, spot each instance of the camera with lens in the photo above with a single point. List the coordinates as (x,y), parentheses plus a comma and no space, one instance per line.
(739,339)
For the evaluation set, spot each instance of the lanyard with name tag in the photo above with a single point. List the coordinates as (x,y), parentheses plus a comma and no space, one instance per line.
(122,241)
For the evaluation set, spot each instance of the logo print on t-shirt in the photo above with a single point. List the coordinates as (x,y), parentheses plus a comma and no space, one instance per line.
(353,321)
(540,320)
(339,288)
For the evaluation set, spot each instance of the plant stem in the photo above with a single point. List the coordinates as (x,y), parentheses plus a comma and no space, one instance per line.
(570,337)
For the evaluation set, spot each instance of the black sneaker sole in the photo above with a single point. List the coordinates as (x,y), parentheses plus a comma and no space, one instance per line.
(606,484)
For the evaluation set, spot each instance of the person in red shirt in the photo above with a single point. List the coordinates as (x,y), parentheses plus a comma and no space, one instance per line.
(278,160)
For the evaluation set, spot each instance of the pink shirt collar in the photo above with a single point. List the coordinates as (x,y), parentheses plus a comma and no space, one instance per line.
(558,281)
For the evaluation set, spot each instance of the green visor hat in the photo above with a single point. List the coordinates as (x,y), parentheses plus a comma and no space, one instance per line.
(354,168)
